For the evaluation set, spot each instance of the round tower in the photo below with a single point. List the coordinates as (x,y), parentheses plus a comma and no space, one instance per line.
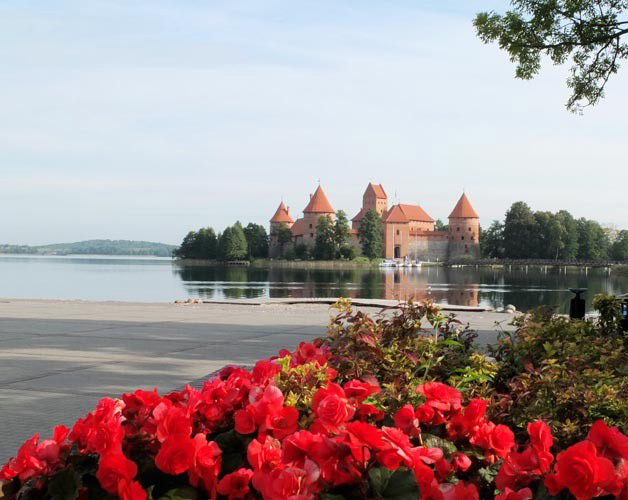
(464,231)
(281,218)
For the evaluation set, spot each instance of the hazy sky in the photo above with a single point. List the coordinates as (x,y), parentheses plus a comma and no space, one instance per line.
(144,119)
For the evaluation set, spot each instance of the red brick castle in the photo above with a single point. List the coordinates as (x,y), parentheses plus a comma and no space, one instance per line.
(408,231)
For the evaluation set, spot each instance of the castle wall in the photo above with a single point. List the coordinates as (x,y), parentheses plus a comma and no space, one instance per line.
(431,247)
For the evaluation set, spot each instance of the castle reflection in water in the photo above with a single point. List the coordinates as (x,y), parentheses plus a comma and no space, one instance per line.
(397,284)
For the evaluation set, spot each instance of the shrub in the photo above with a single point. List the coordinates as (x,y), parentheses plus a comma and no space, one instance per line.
(569,373)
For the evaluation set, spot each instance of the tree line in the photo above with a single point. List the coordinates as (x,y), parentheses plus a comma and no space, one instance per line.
(528,234)
(234,243)
(252,242)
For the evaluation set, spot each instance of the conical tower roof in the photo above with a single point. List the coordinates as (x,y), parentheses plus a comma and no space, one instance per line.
(282,215)
(319,203)
(463,209)
(376,189)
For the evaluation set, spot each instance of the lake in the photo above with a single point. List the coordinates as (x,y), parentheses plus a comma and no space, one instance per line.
(154,279)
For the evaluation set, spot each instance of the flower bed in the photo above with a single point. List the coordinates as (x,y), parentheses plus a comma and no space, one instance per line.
(361,414)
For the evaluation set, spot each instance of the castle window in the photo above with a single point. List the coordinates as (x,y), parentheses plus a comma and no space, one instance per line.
(311,235)
(397,232)
(462,237)
(472,238)
(310,226)
(469,229)
(457,229)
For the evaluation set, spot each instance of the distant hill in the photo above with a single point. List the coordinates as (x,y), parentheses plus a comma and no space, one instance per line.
(94,247)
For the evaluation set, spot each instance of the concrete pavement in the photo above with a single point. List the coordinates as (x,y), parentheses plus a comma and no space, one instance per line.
(58,358)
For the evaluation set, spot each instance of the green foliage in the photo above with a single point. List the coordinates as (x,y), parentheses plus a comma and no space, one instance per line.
(370,235)
(619,248)
(201,244)
(400,353)
(590,33)
(348,252)
(232,244)
(325,245)
(256,240)
(492,241)
(301,251)
(283,236)
(94,247)
(544,235)
(341,231)
(569,373)
(439,225)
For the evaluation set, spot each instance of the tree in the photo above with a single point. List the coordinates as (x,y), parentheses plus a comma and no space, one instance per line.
(341,230)
(593,242)
(325,244)
(256,240)
(587,31)
(492,241)
(370,235)
(619,249)
(284,237)
(201,244)
(519,232)
(233,243)
(570,240)
(439,225)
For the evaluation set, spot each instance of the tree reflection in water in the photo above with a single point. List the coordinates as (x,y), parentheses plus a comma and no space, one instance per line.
(469,286)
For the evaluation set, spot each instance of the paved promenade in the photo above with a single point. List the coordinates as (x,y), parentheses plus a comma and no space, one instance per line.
(57,358)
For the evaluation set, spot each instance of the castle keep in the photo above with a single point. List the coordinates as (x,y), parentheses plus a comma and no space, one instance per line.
(408,231)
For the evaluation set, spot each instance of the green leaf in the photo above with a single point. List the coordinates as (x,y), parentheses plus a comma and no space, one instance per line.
(399,484)
(432,441)
(64,485)
(451,342)
(331,496)
(184,493)
(378,477)
(402,485)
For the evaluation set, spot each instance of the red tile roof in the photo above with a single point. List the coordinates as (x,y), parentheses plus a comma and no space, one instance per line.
(298,227)
(282,215)
(415,212)
(463,209)
(395,214)
(377,189)
(360,215)
(319,203)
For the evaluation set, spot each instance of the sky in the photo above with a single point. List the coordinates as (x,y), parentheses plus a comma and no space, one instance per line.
(144,119)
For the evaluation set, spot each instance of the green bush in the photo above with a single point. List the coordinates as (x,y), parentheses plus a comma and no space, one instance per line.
(406,346)
(360,259)
(569,373)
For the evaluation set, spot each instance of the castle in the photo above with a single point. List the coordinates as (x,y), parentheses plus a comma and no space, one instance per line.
(408,231)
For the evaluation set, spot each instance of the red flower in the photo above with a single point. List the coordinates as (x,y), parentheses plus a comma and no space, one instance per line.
(332,407)
(236,484)
(176,455)
(284,422)
(442,398)
(131,490)
(206,464)
(583,472)
(461,462)
(610,443)
(460,491)
(407,421)
(171,420)
(540,436)
(114,467)
(501,440)
(359,390)
(508,494)
(245,422)
(366,412)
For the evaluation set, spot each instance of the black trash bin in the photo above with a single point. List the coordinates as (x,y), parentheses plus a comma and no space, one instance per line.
(577,306)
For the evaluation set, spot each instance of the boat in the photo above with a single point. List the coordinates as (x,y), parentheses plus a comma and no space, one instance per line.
(387,263)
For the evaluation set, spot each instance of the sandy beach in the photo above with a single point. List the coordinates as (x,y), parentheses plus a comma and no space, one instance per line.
(57,358)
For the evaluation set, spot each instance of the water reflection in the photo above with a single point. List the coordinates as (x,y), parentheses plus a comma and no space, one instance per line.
(469,286)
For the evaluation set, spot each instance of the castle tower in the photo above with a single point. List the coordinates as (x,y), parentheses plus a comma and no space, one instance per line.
(281,217)
(464,231)
(318,207)
(396,233)
(374,198)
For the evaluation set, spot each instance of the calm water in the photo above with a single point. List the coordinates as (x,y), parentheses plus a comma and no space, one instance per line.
(158,279)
